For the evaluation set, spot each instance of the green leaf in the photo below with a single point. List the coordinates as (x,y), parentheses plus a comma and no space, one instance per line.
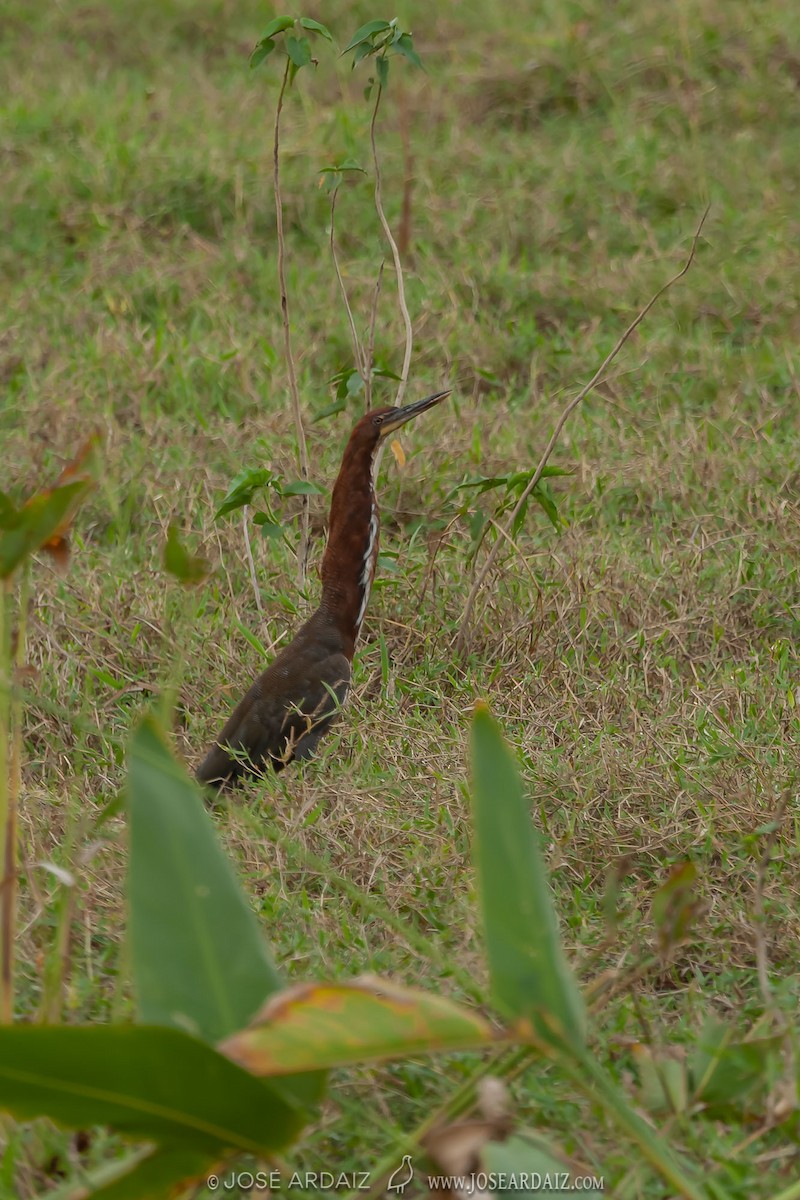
(141,1175)
(316,27)
(546,501)
(200,960)
(405,46)
(330,410)
(531,979)
(43,517)
(277,26)
(362,51)
(145,1082)
(299,51)
(300,487)
(242,489)
(335,1024)
(270,529)
(382,69)
(187,568)
(262,51)
(9,516)
(364,33)
(724,1072)
(523,1157)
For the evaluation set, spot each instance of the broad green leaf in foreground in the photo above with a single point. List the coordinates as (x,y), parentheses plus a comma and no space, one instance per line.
(200,959)
(145,1082)
(330,1025)
(531,979)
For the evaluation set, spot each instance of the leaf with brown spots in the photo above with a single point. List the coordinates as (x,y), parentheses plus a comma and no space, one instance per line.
(318,1025)
(43,521)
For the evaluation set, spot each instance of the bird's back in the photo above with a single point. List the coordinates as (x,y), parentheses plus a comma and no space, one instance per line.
(286,710)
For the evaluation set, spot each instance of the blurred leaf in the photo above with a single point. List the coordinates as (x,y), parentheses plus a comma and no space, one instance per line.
(143,1081)
(663,1081)
(398,452)
(724,1072)
(262,51)
(520,1156)
(278,25)
(316,27)
(530,976)
(330,410)
(299,51)
(674,907)
(165,1171)
(271,529)
(331,1025)
(200,960)
(9,515)
(185,567)
(405,46)
(42,522)
(299,487)
(382,70)
(364,33)
(242,489)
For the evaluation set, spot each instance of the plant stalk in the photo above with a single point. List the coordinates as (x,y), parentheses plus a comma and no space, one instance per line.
(398,266)
(302,448)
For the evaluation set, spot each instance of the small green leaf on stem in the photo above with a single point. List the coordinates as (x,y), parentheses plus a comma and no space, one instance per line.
(262,51)
(299,487)
(242,489)
(405,46)
(279,25)
(316,27)
(365,33)
(299,51)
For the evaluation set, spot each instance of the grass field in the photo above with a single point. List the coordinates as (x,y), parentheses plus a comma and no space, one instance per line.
(642,659)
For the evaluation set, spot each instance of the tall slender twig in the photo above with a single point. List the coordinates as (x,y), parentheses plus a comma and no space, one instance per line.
(251,564)
(370,356)
(560,423)
(6,997)
(8,878)
(302,449)
(398,267)
(358,352)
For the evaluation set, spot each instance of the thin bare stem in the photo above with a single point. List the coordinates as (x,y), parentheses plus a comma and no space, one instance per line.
(370,357)
(6,998)
(10,851)
(302,449)
(398,267)
(358,352)
(251,564)
(560,423)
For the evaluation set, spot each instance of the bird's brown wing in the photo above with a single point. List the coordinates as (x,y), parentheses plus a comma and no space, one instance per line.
(278,720)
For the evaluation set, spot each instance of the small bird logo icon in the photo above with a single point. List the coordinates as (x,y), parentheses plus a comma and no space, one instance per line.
(401,1177)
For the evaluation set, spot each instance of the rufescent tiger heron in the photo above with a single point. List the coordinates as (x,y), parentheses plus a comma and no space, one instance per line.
(292,704)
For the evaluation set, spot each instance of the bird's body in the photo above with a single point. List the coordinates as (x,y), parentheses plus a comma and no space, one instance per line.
(291,705)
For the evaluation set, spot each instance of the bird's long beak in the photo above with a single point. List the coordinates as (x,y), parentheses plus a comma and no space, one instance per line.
(394,420)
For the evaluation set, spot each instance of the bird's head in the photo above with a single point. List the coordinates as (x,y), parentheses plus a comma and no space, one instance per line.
(378,423)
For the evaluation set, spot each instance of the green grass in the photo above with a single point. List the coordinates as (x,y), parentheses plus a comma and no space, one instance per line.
(643,660)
